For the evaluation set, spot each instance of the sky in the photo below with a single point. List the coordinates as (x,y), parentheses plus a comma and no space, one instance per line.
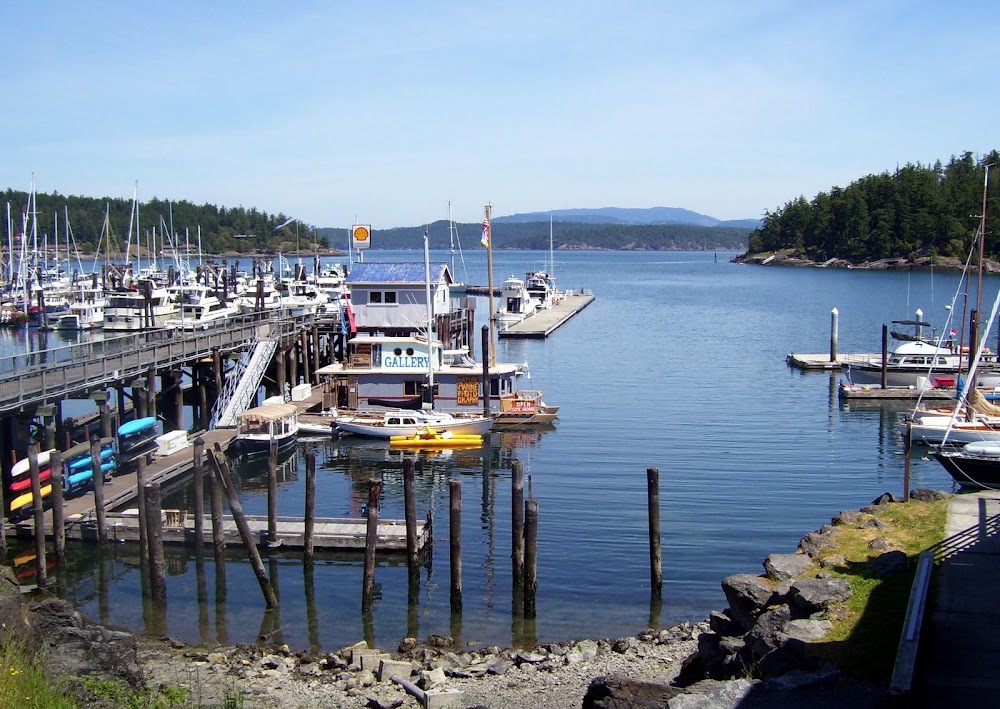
(382,113)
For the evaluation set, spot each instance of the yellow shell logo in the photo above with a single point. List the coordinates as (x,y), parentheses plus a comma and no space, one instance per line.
(360,233)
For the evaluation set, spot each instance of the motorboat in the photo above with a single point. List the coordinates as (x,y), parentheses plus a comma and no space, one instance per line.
(386,424)
(147,307)
(86,312)
(200,308)
(525,408)
(271,424)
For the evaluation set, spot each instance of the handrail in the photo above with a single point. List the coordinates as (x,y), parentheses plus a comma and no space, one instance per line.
(34,377)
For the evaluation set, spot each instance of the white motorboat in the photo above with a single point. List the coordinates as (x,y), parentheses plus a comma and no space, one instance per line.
(200,308)
(385,424)
(269,424)
(146,308)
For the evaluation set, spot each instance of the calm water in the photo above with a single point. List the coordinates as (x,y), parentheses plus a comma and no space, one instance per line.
(678,364)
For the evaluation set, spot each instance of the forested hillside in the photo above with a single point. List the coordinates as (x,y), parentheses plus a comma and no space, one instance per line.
(916,210)
(241,230)
(565,235)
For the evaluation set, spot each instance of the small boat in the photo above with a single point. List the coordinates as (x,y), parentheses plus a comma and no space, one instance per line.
(272,423)
(434,439)
(200,308)
(525,408)
(973,465)
(386,424)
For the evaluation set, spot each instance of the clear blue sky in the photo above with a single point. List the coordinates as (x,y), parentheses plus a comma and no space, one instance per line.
(385,111)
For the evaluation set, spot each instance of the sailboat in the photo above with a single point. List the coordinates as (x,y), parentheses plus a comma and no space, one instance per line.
(976,464)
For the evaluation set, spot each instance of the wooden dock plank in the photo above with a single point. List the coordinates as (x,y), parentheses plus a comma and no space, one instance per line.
(543,323)
(823,361)
(328,533)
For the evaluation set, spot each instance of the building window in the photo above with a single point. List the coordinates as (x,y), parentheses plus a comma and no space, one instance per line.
(375,296)
(390,296)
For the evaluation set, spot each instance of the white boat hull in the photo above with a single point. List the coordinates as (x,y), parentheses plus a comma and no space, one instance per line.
(371,427)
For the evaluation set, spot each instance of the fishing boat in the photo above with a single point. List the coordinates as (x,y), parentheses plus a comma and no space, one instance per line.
(386,424)
(430,438)
(271,424)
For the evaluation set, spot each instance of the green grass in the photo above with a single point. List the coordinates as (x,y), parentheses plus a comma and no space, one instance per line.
(867,627)
(24,684)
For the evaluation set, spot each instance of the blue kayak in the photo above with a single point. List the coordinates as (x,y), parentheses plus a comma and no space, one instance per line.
(142,425)
(84,461)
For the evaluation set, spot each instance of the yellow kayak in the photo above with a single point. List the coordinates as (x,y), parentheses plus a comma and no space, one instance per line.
(26,499)
(433,439)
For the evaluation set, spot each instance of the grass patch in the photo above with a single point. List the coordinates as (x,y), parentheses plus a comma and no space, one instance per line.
(867,627)
(23,682)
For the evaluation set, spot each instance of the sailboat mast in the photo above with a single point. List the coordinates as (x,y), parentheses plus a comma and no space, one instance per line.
(980,336)
(430,320)
(451,237)
(552,258)
(488,239)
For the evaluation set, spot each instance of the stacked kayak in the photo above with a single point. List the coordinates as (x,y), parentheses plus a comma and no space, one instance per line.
(434,439)
(136,439)
(20,495)
(78,471)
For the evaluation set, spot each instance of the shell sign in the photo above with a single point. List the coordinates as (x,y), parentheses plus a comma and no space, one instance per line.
(361,235)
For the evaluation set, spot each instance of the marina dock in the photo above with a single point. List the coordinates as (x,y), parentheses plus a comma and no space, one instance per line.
(818,362)
(864,392)
(332,534)
(543,323)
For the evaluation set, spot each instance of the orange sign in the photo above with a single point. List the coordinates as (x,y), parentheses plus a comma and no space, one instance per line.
(361,235)
(468,391)
(523,406)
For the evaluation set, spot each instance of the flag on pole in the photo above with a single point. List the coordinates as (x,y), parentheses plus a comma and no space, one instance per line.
(486,232)
(285,223)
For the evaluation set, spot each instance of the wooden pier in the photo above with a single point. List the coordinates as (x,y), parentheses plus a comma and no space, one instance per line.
(331,534)
(818,362)
(543,323)
(874,392)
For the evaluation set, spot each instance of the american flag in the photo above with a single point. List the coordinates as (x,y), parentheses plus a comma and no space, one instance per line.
(486,232)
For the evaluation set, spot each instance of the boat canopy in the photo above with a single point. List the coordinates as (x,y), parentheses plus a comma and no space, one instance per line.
(269,412)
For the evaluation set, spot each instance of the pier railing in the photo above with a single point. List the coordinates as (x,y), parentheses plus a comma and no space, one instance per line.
(36,377)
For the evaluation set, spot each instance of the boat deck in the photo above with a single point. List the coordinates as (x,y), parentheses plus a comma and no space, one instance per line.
(543,323)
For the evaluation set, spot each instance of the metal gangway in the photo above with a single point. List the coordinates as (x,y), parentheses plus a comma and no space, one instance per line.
(243,381)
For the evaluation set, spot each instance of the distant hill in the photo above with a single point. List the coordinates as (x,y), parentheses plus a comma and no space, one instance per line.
(621,215)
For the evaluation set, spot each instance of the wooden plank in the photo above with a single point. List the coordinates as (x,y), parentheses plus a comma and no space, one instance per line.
(543,323)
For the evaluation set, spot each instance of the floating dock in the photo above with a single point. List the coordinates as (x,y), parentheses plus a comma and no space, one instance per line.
(865,392)
(542,323)
(331,534)
(810,362)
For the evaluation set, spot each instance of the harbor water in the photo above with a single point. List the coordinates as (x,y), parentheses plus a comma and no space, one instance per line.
(678,364)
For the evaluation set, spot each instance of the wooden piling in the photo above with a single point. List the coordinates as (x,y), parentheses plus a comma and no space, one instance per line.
(455,542)
(315,349)
(218,532)
(304,347)
(105,415)
(368,583)
(517,523)
(885,355)
(907,442)
(655,554)
(58,513)
(197,471)
(272,494)
(98,480)
(834,317)
(140,483)
(410,511)
(486,368)
(530,556)
(154,520)
(151,390)
(221,470)
(39,514)
(310,512)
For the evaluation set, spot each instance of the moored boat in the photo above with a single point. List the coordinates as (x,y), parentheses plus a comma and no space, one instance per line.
(269,424)
(386,424)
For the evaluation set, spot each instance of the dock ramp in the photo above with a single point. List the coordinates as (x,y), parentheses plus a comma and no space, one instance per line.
(241,386)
